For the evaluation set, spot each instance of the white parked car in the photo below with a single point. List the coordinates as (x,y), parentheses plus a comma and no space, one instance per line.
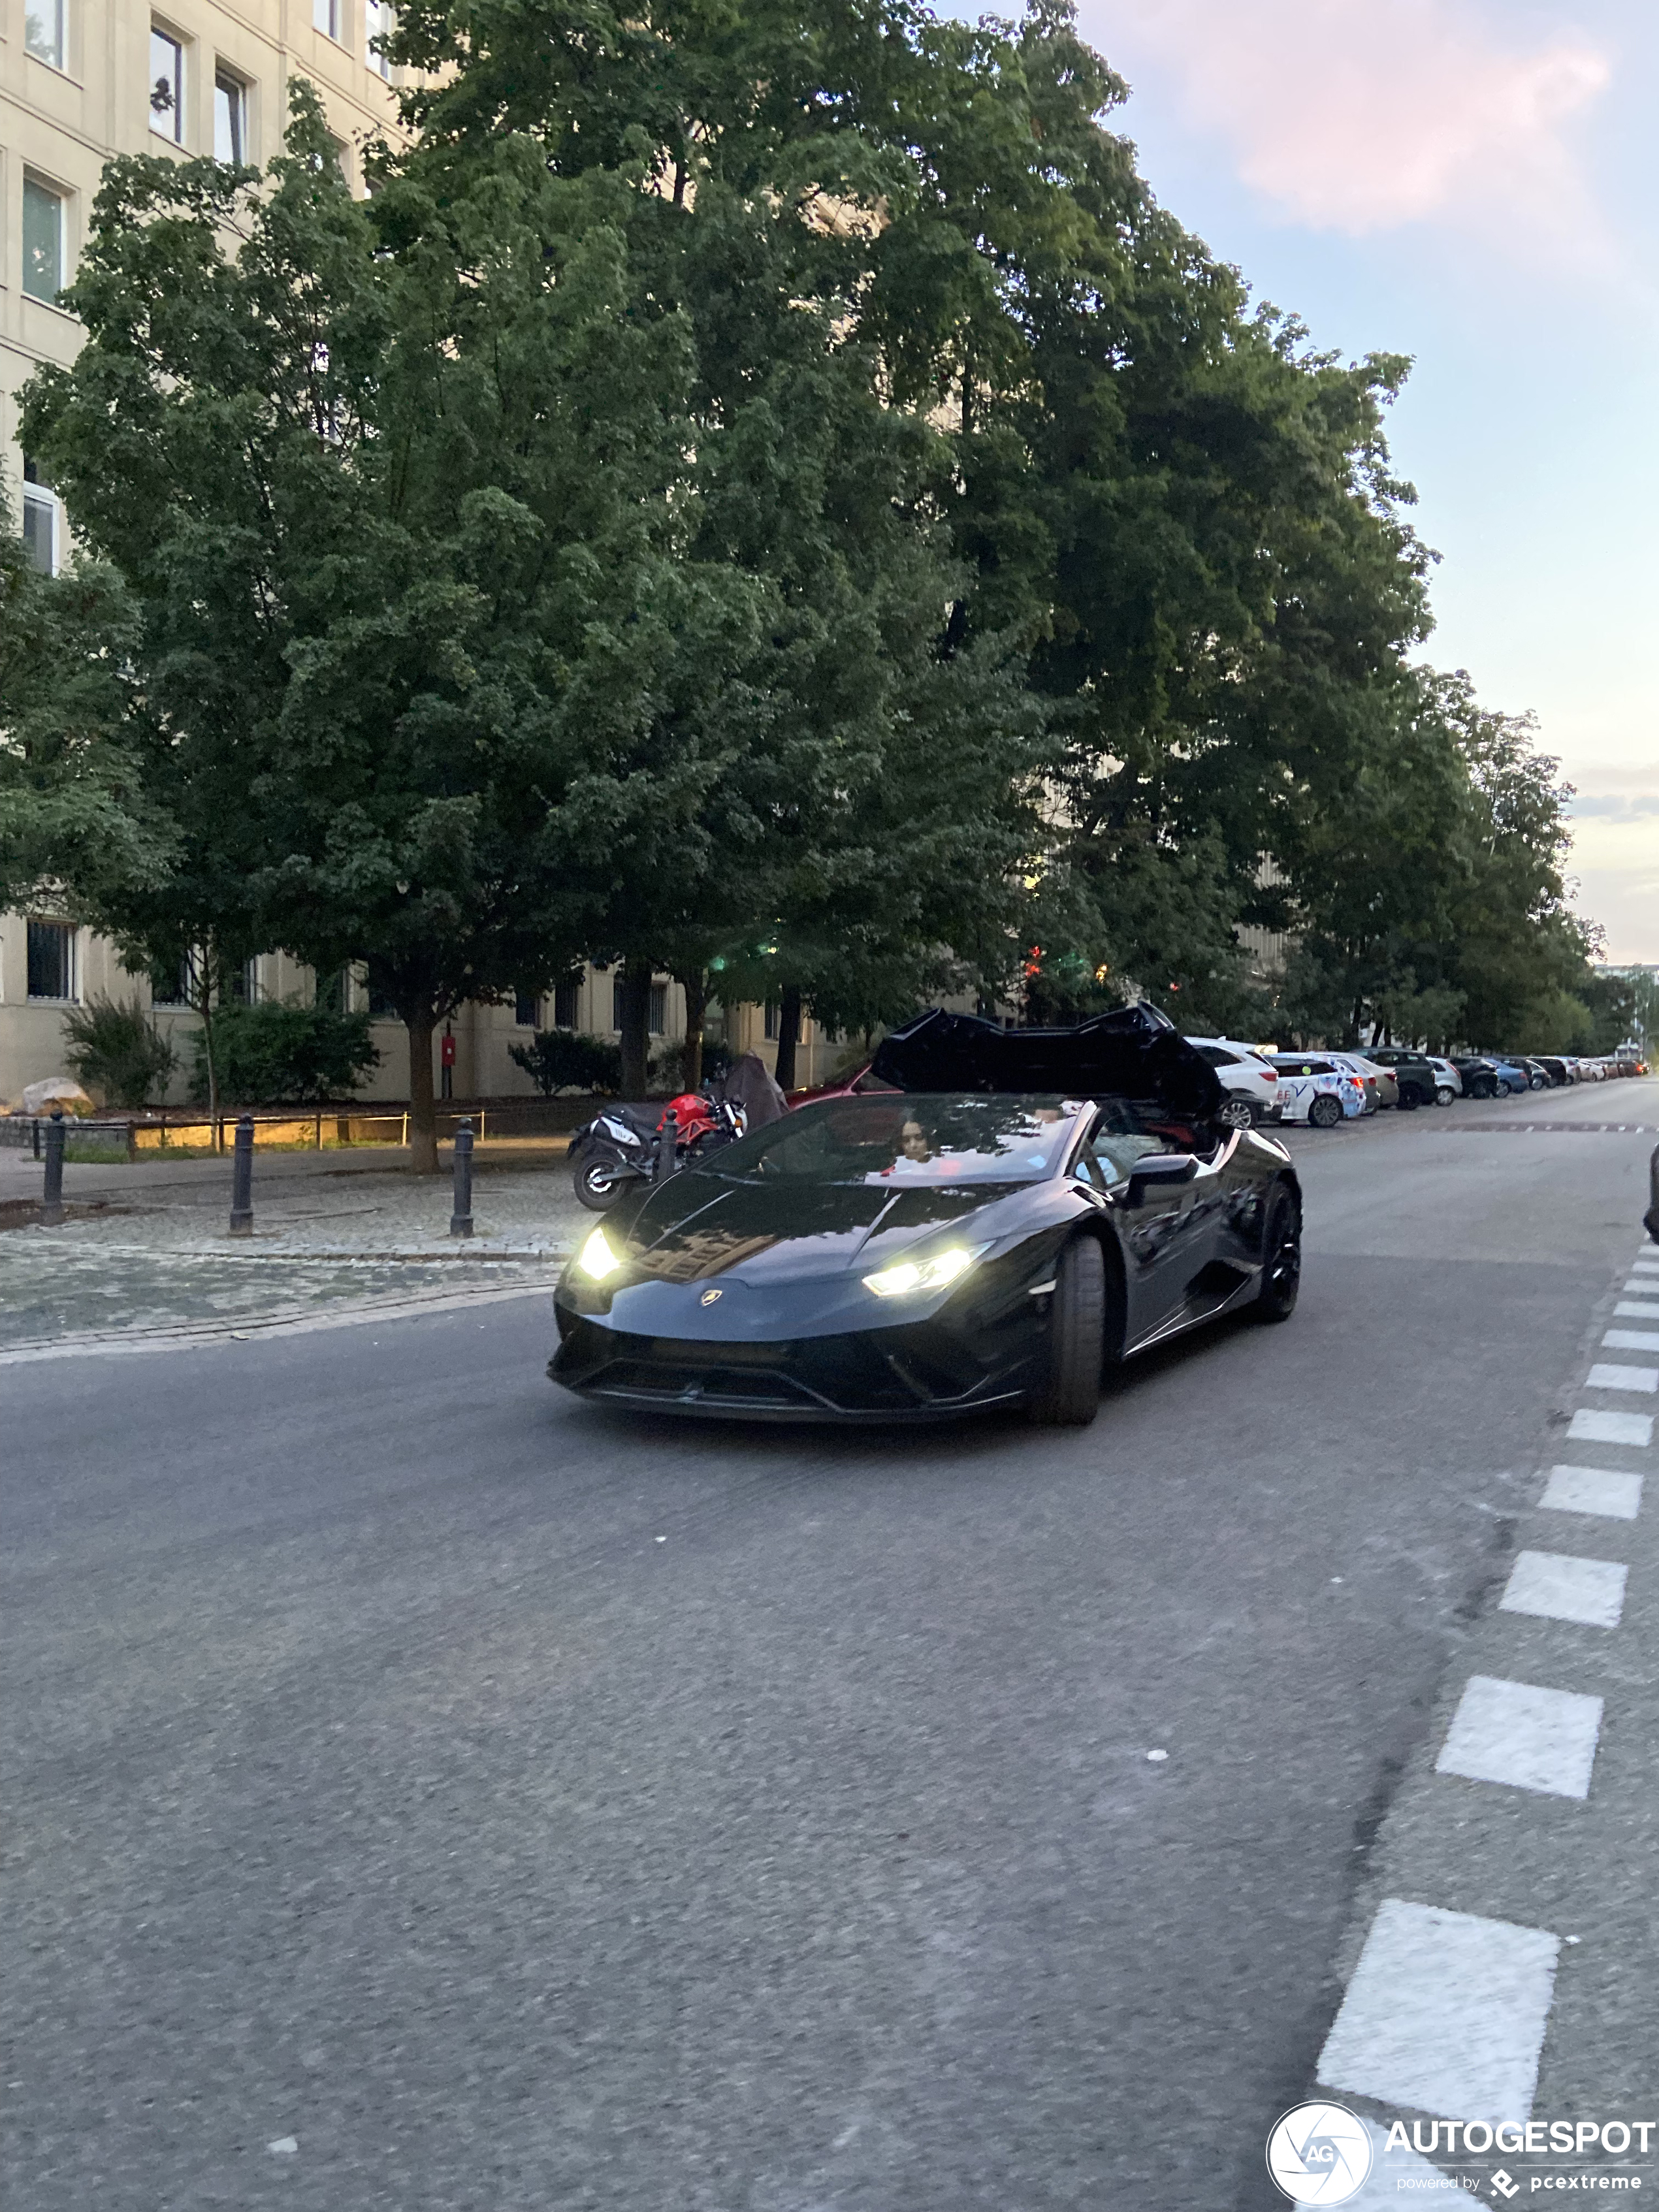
(1449,1084)
(1246,1077)
(1312,1088)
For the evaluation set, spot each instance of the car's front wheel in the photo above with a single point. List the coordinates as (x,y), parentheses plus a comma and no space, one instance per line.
(1537,1083)
(1325,1112)
(1069,1395)
(1445,1095)
(1238,1114)
(1281,1259)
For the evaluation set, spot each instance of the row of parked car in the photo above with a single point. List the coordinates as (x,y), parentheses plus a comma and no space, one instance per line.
(1325,1088)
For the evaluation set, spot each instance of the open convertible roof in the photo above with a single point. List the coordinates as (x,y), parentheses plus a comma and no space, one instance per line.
(1133,1053)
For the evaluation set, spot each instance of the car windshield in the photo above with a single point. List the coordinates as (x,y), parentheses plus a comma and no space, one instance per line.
(898,1138)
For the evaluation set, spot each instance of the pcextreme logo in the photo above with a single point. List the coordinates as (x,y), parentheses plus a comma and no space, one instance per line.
(1322,2154)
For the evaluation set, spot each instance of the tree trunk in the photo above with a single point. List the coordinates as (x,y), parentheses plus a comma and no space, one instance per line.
(636,1028)
(422,1120)
(789,1036)
(204,1008)
(694,984)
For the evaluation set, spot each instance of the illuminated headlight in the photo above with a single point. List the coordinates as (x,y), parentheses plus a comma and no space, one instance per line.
(909,1278)
(597,1259)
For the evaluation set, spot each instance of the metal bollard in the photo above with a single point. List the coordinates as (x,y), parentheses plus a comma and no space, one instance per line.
(51,1198)
(667,1138)
(241,1180)
(460,1220)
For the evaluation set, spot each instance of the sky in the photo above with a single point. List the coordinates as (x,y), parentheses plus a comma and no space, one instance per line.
(1474,183)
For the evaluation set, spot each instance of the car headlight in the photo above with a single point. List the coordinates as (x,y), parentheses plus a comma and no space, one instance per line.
(909,1278)
(597,1259)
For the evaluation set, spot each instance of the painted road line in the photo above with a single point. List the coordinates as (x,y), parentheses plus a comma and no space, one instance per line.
(1522,1734)
(1555,1586)
(1633,1340)
(1593,1490)
(1588,1428)
(1446,2014)
(1607,1376)
(1633,1310)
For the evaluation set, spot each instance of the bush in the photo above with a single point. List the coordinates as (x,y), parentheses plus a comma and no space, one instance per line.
(116,1049)
(279,1054)
(564,1060)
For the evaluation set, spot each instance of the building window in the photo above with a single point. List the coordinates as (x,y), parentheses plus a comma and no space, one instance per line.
(381,1006)
(229,118)
(772,1013)
(170,987)
(39,521)
(245,984)
(657,1020)
(52,960)
(167,86)
(565,1005)
(44,31)
(325,14)
(526,1010)
(42,240)
(379,21)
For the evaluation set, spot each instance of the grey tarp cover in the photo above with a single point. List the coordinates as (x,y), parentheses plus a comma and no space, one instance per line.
(749,1086)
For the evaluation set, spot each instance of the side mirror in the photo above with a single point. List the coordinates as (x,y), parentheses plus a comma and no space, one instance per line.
(1159,1168)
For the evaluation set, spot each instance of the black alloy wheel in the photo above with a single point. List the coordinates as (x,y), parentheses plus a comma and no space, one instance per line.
(598,1184)
(1410,1098)
(1325,1112)
(1238,1114)
(1281,1258)
(1483,1087)
(1069,1396)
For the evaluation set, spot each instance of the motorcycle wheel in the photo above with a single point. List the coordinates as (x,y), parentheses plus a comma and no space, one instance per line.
(598,1184)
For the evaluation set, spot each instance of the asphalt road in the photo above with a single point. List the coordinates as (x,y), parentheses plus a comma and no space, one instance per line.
(499,1803)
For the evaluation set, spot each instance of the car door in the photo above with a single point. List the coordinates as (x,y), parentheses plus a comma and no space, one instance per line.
(1171,1232)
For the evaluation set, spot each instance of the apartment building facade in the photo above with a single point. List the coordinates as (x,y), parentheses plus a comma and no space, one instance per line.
(82,81)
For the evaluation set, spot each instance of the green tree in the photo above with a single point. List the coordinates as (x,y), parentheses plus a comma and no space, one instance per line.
(393,491)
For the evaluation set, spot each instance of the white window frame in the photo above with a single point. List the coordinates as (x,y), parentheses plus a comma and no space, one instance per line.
(175,134)
(230,82)
(326,17)
(56,193)
(379,21)
(71,962)
(40,503)
(55,53)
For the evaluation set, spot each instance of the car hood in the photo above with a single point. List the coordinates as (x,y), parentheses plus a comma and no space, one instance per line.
(698,1225)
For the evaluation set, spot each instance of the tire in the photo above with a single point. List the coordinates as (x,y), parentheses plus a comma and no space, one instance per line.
(1069,1396)
(1238,1113)
(1445,1095)
(1483,1088)
(598,1184)
(1410,1099)
(1538,1083)
(1325,1112)
(1281,1259)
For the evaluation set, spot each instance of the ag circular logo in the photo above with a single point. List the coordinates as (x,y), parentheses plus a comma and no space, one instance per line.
(1320,2154)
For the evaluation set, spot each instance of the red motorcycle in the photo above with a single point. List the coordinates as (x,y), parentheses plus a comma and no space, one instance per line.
(623,1145)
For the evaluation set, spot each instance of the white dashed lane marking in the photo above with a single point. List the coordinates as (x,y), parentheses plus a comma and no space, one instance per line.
(1553,1586)
(1528,1737)
(1633,1340)
(1446,2014)
(1605,1375)
(1593,1490)
(1588,1428)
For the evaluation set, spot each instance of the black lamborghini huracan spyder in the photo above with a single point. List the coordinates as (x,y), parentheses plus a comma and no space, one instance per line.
(1005,1214)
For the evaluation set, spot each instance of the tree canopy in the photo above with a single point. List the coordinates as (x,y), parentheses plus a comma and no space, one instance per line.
(767,493)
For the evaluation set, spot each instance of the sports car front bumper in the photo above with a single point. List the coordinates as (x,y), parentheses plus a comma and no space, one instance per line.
(921,1371)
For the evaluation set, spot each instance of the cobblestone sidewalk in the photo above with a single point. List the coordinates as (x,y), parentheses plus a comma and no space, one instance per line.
(152,1258)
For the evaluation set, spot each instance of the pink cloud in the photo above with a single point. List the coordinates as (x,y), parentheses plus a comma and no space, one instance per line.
(1360,115)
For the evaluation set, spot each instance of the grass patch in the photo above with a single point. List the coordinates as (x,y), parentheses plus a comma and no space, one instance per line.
(98,1156)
